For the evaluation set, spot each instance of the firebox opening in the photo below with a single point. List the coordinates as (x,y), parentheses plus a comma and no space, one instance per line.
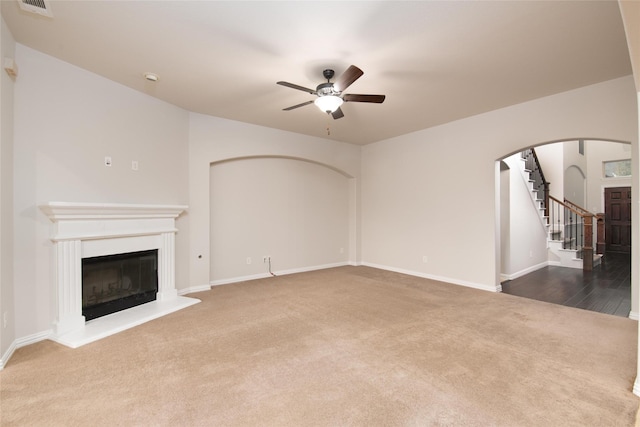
(113,283)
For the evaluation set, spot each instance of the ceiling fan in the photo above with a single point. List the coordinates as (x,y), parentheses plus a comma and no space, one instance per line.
(330,96)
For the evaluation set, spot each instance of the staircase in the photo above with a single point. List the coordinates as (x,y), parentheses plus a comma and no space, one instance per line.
(570,232)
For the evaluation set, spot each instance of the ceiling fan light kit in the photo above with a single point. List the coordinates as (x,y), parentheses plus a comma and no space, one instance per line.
(330,96)
(328,103)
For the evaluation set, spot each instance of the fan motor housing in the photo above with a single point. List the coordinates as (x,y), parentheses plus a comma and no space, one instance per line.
(325,89)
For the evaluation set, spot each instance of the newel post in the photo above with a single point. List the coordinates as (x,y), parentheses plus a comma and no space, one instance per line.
(587,249)
(600,243)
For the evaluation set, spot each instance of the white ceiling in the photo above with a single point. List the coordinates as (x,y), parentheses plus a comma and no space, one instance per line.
(436,61)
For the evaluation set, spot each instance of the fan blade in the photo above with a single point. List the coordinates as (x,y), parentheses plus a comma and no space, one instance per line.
(293,86)
(378,99)
(297,106)
(338,114)
(352,74)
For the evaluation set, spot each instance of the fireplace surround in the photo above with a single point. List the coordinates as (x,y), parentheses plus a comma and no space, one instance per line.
(88,230)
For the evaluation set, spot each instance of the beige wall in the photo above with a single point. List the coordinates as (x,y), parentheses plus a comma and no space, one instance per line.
(293,211)
(551,158)
(7,311)
(66,121)
(433,193)
(214,140)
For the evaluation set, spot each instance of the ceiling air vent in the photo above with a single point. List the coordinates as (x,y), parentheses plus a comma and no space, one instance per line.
(41,7)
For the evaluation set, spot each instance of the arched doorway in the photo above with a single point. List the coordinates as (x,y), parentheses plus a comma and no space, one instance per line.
(527,266)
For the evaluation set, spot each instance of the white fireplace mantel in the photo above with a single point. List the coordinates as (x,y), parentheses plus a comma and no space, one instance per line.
(82,230)
(87,221)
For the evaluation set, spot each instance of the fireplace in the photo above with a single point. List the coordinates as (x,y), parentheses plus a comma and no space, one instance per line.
(91,242)
(112,283)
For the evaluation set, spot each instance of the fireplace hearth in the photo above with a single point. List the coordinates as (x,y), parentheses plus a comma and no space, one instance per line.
(117,282)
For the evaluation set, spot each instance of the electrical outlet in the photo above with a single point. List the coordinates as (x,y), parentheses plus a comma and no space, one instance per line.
(248,260)
(134,165)
(425,259)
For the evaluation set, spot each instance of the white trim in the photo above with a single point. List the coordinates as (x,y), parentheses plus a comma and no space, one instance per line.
(21,342)
(239,279)
(525,271)
(633,315)
(496,288)
(636,386)
(312,268)
(33,338)
(7,355)
(277,273)
(193,289)
(82,211)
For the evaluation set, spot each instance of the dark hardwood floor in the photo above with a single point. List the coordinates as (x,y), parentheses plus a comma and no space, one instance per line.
(606,289)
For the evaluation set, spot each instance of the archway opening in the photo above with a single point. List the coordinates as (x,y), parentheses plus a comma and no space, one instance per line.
(529,266)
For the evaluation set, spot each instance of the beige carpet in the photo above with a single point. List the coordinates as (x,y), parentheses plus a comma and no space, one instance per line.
(338,347)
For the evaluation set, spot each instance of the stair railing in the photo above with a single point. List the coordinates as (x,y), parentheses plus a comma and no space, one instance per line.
(575,225)
(599,218)
(540,184)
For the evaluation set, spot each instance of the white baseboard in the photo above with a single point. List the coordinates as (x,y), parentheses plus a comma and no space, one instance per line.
(633,315)
(7,355)
(21,342)
(193,289)
(495,288)
(277,273)
(527,270)
(636,386)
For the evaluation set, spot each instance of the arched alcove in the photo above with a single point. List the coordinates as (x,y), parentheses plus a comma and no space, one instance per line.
(293,211)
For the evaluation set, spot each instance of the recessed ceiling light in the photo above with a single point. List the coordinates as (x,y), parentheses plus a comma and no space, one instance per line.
(151,77)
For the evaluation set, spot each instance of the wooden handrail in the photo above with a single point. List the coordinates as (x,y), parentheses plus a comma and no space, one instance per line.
(575,206)
(540,182)
(535,156)
(575,211)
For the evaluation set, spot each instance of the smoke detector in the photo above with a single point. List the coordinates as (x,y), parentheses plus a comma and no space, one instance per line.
(152,77)
(40,7)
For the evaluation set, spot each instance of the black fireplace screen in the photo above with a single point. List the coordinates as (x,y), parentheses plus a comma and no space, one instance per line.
(113,283)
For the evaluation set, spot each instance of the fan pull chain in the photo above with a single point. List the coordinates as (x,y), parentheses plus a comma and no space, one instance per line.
(328,123)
